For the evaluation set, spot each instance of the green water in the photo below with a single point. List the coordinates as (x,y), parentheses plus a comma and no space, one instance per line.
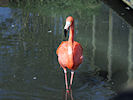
(30,33)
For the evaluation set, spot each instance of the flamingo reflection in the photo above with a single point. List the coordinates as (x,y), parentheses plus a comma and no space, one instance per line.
(69,95)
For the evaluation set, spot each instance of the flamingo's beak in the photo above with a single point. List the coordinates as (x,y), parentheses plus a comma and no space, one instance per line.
(65,32)
(66,28)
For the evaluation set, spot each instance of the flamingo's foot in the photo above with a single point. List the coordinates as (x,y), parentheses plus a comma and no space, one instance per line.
(67,90)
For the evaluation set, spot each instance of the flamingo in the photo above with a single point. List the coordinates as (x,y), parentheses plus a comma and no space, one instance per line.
(70,53)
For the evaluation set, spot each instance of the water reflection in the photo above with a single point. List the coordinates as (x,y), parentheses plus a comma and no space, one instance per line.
(28,63)
(130,61)
(69,95)
(89,86)
(93,40)
(109,51)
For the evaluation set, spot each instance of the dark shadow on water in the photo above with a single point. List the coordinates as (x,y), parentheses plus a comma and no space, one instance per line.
(125,95)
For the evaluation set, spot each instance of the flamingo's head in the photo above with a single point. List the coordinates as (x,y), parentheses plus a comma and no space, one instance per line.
(69,22)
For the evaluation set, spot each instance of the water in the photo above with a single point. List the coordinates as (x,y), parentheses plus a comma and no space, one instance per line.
(30,34)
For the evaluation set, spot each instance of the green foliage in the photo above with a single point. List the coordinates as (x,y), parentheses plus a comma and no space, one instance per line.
(58,7)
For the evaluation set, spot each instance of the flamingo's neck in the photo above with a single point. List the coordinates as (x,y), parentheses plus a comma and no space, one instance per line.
(70,47)
(71,34)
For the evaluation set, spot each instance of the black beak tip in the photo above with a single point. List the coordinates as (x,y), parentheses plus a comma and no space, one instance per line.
(65,32)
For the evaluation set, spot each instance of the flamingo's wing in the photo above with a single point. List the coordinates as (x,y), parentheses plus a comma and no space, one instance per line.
(78,53)
(61,47)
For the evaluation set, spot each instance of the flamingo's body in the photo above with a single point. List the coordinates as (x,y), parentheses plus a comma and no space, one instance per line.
(63,56)
(70,53)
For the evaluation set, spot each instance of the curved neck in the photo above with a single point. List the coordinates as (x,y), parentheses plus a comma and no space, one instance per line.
(70,47)
(71,34)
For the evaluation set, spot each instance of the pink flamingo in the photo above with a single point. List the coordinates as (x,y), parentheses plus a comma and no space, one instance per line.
(70,53)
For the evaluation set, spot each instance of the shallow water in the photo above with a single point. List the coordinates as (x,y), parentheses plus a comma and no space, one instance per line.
(29,69)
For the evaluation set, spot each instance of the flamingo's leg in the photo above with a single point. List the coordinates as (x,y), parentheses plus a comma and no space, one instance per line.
(72,74)
(65,72)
